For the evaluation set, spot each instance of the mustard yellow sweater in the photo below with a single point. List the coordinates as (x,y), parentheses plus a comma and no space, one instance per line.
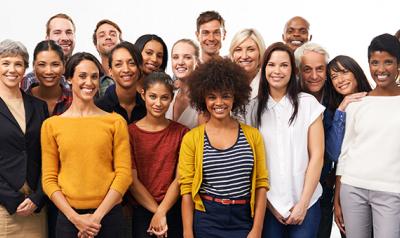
(85,157)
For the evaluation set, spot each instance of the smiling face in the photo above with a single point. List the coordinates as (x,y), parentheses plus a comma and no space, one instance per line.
(210,36)
(85,81)
(183,60)
(278,71)
(62,32)
(12,69)
(107,38)
(313,72)
(152,54)
(343,81)
(384,69)
(219,104)
(124,69)
(48,68)
(247,55)
(296,33)
(157,98)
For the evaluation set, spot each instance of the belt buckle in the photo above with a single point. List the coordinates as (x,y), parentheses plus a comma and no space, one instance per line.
(226,201)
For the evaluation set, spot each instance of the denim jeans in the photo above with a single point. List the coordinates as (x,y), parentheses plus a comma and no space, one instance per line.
(308,229)
(222,221)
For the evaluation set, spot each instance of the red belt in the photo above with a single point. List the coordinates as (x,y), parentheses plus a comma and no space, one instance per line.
(224,200)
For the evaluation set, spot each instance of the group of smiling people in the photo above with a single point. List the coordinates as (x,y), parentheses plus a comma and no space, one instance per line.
(232,147)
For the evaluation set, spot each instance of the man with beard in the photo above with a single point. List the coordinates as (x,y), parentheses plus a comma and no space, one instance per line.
(61,29)
(296,32)
(106,36)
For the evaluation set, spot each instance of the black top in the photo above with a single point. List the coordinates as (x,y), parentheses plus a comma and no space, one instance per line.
(20,154)
(110,103)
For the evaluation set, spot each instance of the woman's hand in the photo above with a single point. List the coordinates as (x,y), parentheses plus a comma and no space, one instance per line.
(355,97)
(26,208)
(158,225)
(337,207)
(276,214)
(298,213)
(87,225)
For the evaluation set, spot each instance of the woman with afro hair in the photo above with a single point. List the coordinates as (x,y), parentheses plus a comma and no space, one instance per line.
(222,173)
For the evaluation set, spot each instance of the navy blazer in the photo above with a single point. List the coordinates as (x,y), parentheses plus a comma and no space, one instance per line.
(20,154)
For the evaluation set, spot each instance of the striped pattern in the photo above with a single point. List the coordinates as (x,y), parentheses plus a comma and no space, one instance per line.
(227,173)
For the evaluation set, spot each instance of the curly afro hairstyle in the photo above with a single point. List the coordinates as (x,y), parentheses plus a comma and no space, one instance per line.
(219,75)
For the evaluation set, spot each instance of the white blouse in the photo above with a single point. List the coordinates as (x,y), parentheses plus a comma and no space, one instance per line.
(287,148)
(189,117)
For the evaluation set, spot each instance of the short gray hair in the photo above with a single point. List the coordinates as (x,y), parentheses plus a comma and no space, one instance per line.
(14,48)
(309,46)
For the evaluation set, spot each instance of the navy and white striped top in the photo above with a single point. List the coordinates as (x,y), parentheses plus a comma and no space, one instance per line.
(227,173)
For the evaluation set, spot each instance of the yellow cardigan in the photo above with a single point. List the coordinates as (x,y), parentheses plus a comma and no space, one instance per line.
(190,166)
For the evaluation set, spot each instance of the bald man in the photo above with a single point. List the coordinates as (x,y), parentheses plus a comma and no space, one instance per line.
(296,32)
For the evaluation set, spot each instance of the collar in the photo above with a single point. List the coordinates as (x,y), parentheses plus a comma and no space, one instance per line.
(111,94)
(284,102)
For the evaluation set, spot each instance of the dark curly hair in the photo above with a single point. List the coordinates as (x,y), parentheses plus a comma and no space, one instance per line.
(219,75)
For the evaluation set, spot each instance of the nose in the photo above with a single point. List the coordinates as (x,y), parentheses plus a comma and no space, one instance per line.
(47,69)
(218,100)
(314,74)
(125,67)
(180,61)
(63,36)
(244,54)
(153,57)
(158,102)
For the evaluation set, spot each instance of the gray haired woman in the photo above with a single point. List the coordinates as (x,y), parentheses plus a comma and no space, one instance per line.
(21,117)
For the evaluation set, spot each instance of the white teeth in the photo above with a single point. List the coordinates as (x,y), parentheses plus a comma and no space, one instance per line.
(381,77)
(87,90)
(296,42)
(219,110)
(181,69)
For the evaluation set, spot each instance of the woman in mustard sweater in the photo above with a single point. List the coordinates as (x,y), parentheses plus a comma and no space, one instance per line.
(222,172)
(86,158)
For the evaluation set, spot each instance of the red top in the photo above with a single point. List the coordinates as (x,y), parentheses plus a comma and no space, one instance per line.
(155,156)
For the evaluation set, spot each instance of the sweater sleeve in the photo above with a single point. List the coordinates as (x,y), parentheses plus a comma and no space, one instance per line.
(262,172)
(50,159)
(186,166)
(122,157)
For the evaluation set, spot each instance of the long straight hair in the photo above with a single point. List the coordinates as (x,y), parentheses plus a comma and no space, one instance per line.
(333,98)
(292,89)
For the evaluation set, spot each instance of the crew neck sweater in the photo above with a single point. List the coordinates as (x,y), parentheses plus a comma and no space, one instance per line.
(85,157)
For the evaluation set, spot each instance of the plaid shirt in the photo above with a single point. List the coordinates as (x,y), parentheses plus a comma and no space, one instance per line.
(30,78)
(62,103)
(105,82)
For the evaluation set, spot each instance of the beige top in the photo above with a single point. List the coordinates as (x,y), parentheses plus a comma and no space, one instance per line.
(17,109)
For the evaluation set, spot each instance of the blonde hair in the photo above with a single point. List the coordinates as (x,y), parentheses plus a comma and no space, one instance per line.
(243,35)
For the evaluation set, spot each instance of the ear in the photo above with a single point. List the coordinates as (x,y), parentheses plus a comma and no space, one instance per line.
(69,81)
(197,36)
(47,37)
(110,72)
(310,38)
(283,37)
(142,94)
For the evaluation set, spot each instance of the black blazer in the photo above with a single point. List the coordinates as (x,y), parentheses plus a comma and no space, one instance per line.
(20,154)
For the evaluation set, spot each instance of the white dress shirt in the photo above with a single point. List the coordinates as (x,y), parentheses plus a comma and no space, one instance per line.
(287,148)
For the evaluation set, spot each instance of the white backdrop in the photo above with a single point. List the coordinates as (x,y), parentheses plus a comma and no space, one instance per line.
(342,27)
